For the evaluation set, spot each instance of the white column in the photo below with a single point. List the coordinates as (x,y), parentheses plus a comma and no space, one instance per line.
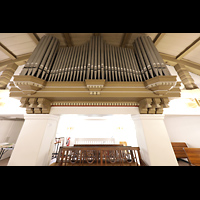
(153,140)
(34,145)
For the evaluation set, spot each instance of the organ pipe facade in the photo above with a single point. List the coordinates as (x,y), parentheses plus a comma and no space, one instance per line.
(95,60)
(95,74)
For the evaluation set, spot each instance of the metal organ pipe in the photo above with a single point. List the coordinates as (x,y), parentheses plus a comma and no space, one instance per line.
(41,60)
(159,58)
(95,60)
(27,65)
(50,59)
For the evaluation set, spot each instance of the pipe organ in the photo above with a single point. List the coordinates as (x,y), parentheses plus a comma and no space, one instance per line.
(95,74)
(95,60)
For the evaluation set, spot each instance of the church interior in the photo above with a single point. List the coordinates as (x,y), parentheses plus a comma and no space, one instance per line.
(99,99)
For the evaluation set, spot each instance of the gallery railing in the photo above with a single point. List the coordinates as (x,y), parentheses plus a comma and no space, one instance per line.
(101,155)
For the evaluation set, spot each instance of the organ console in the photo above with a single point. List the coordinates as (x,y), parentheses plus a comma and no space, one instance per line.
(95,60)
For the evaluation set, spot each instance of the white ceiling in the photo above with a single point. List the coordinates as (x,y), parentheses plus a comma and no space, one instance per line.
(172,45)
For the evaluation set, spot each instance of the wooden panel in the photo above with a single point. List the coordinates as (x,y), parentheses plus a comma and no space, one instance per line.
(178,149)
(193,155)
(179,144)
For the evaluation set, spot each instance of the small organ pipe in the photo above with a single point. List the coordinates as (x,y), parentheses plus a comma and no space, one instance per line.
(79,61)
(89,59)
(138,73)
(132,65)
(117,63)
(55,65)
(85,62)
(58,68)
(111,63)
(114,63)
(62,67)
(120,64)
(99,58)
(102,59)
(106,63)
(129,64)
(95,57)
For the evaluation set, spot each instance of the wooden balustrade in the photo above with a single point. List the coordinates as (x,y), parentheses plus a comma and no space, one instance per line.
(106,155)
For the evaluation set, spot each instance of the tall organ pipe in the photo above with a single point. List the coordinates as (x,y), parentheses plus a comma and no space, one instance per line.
(159,58)
(154,56)
(149,55)
(36,57)
(50,59)
(42,66)
(27,65)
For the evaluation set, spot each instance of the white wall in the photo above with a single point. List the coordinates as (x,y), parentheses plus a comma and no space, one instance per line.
(9,132)
(120,127)
(35,142)
(184,129)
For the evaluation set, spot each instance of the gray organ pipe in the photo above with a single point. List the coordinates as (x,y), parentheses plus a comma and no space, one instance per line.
(159,58)
(28,63)
(95,60)
(40,62)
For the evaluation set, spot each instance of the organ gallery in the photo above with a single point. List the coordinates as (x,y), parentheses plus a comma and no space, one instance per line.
(99,99)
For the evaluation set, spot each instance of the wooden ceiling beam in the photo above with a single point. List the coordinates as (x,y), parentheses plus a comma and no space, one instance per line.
(20,60)
(34,37)
(158,37)
(9,53)
(188,49)
(68,39)
(191,66)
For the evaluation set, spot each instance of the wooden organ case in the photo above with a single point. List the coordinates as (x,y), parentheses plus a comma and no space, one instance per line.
(95,74)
